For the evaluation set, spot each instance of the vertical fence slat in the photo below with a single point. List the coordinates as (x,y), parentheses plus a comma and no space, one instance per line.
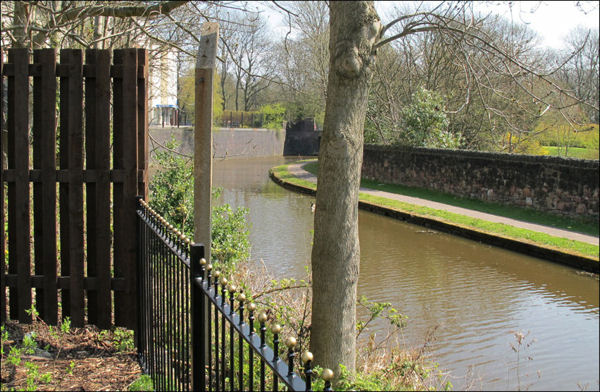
(38,229)
(142,138)
(18,192)
(72,127)
(44,158)
(2,167)
(125,158)
(97,115)
(90,188)
(65,260)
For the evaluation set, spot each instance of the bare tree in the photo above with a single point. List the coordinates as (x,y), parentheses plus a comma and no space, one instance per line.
(356,35)
(581,70)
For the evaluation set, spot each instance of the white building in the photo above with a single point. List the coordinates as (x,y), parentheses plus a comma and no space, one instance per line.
(163,89)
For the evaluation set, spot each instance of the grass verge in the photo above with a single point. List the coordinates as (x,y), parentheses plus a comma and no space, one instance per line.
(573,152)
(542,239)
(524,214)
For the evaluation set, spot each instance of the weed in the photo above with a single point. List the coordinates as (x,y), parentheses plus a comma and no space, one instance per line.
(103,335)
(32,312)
(65,327)
(4,334)
(14,356)
(377,310)
(29,343)
(70,368)
(123,339)
(32,375)
(522,344)
(144,383)
(53,332)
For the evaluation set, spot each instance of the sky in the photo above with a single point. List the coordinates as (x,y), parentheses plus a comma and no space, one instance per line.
(552,20)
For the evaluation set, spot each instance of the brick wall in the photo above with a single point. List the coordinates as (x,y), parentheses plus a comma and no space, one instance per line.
(558,185)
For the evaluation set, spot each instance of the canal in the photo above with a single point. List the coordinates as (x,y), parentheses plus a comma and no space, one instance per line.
(475,297)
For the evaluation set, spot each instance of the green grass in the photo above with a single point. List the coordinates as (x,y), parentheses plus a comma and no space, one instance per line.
(523,214)
(144,383)
(500,229)
(574,152)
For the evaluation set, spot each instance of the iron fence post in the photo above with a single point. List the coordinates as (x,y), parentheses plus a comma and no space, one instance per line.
(139,261)
(198,318)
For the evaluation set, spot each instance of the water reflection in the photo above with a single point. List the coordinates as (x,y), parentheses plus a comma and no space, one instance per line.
(475,294)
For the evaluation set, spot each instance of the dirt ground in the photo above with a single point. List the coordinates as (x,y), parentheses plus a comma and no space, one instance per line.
(82,359)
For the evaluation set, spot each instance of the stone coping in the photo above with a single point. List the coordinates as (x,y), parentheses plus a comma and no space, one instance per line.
(547,253)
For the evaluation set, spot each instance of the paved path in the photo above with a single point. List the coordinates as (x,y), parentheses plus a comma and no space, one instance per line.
(297,170)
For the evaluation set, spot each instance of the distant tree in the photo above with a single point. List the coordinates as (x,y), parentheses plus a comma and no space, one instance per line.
(581,70)
(302,61)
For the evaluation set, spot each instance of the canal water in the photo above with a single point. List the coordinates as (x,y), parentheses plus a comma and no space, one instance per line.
(475,297)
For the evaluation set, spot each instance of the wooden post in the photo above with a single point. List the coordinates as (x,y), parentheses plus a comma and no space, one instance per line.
(205,68)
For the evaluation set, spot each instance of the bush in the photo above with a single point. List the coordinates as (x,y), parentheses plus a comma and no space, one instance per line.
(425,124)
(273,116)
(172,196)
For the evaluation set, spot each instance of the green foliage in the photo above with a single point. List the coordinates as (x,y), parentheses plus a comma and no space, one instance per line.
(70,368)
(14,356)
(187,95)
(172,189)
(4,337)
(32,375)
(53,332)
(65,327)
(560,134)
(123,339)
(144,383)
(29,344)
(46,378)
(32,311)
(171,194)
(525,145)
(424,122)
(380,310)
(230,235)
(273,116)
(573,152)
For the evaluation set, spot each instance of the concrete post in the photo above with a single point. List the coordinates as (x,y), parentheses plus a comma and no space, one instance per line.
(205,68)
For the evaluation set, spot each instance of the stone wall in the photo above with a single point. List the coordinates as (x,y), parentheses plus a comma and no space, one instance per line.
(227,142)
(558,185)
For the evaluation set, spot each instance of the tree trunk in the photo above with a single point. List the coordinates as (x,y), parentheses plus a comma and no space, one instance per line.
(355,27)
(21,19)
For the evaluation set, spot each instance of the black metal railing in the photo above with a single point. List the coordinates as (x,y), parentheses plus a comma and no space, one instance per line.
(193,330)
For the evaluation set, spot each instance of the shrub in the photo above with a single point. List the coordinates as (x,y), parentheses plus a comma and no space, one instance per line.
(425,124)
(172,195)
(273,116)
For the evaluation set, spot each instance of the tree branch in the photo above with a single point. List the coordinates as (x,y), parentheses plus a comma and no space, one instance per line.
(161,8)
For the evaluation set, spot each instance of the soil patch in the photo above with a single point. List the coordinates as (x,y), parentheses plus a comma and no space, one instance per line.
(77,359)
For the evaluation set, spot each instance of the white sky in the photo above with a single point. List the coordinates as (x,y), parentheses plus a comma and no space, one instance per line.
(552,20)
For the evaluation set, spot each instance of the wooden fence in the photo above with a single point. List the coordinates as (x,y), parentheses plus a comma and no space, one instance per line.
(71,240)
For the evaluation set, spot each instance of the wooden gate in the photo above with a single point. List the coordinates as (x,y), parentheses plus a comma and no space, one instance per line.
(67,237)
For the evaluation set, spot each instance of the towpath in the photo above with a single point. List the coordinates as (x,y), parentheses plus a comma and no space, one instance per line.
(297,170)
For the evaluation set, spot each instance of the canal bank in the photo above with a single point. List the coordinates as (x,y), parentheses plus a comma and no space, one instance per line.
(471,296)
(293,177)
